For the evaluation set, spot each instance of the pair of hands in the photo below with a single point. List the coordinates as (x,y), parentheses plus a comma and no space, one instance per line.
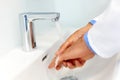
(74,51)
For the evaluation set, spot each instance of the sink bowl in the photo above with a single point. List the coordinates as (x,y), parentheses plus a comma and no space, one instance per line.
(94,69)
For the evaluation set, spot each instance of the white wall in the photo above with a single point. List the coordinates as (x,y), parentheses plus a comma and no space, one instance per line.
(74,13)
(39,5)
(9,24)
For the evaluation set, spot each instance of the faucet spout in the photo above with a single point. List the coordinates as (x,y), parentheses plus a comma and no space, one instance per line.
(27,19)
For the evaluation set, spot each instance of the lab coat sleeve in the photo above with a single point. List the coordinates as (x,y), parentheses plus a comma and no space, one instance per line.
(104,37)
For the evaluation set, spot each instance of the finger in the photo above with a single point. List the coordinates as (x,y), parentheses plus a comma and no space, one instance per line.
(65,64)
(70,65)
(52,64)
(77,63)
(63,47)
(67,55)
(82,62)
(58,67)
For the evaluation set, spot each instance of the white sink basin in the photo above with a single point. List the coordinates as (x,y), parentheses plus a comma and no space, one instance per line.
(95,69)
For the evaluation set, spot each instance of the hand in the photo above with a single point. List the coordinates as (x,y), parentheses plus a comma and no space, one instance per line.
(76,55)
(73,38)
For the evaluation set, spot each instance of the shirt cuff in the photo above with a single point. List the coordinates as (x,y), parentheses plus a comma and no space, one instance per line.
(87,43)
(92,22)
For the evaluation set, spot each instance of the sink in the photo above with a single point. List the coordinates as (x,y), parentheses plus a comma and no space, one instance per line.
(94,69)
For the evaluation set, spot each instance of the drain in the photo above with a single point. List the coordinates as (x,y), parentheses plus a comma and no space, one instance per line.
(69,78)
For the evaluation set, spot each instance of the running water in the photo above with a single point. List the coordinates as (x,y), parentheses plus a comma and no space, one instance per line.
(61,33)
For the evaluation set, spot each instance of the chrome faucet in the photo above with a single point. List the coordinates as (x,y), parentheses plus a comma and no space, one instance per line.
(26,22)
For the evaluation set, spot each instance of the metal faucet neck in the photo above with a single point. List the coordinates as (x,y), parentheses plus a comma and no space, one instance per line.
(27,20)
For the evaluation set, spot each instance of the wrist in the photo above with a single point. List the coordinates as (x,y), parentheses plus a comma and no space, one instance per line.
(88,52)
(85,37)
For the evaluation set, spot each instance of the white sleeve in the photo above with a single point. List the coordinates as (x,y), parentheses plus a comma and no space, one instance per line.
(104,36)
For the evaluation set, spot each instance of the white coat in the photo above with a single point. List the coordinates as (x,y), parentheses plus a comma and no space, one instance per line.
(104,36)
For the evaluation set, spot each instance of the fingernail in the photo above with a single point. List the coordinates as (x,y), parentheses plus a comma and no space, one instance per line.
(58,68)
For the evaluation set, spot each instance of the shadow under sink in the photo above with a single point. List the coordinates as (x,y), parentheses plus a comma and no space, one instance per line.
(94,69)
